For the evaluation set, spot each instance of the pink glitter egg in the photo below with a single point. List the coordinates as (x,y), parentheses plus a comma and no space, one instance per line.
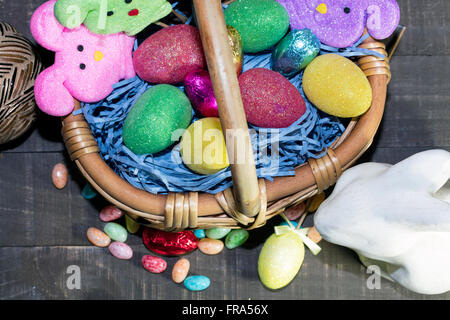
(200,91)
(270,100)
(169,55)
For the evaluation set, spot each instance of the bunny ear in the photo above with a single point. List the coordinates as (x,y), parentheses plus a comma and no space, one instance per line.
(71,14)
(383,16)
(428,171)
(45,28)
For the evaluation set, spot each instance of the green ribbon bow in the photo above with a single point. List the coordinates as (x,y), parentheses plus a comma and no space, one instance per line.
(302,233)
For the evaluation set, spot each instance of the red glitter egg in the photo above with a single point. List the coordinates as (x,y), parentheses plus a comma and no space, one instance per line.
(270,100)
(170,243)
(169,55)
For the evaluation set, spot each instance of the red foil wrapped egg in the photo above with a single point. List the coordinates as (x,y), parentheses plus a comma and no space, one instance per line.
(270,100)
(199,89)
(170,243)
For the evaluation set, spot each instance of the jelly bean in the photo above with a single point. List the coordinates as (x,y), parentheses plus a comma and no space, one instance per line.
(60,176)
(236,238)
(314,203)
(294,224)
(197,283)
(132,225)
(98,238)
(116,232)
(295,212)
(110,213)
(121,250)
(154,264)
(180,270)
(200,233)
(217,233)
(210,246)
(88,193)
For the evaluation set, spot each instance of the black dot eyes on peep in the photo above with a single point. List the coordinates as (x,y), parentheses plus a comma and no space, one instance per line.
(110,13)
(82,66)
(80,48)
(347,10)
(128,1)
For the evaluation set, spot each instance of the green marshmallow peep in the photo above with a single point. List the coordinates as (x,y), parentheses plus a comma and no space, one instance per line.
(111,16)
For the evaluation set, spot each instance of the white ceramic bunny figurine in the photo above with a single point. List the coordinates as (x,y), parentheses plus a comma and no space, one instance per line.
(396,217)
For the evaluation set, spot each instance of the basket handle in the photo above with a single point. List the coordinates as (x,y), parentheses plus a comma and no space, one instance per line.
(214,34)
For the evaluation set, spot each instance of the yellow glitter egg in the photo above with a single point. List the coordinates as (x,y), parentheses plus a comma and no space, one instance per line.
(337,86)
(280,260)
(203,148)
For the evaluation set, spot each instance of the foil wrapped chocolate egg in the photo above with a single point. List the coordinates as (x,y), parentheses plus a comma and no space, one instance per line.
(199,90)
(295,52)
(237,48)
(169,243)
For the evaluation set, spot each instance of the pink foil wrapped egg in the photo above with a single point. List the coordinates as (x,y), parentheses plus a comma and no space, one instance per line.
(200,91)
(270,100)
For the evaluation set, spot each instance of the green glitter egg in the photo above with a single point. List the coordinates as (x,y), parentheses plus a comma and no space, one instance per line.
(261,23)
(153,121)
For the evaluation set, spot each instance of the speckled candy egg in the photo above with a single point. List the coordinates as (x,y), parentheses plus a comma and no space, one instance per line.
(280,260)
(157,114)
(169,55)
(270,100)
(261,23)
(337,86)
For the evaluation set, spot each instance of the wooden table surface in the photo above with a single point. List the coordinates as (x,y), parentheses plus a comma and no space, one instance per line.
(42,230)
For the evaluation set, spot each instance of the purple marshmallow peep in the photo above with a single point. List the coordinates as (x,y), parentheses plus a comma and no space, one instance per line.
(340,23)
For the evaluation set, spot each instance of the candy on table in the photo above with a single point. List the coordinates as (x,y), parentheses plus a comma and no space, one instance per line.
(199,89)
(270,100)
(340,23)
(86,65)
(169,243)
(313,203)
(180,270)
(197,283)
(116,232)
(88,192)
(203,148)
(156,116)
(121,250)
(60,176)
(217,233)
(261,23)
(111,213)
(169,55)
(98,238)
(236,238)
(119,16)
(295,52)
(132,226)
(154,264)
(337,86)
(200,233)
(280,260)
(210,246)
(296,211)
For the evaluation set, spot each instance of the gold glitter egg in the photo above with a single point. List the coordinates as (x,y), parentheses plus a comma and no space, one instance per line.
(237,48)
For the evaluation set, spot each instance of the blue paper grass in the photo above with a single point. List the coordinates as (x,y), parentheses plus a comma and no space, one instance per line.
(277,151)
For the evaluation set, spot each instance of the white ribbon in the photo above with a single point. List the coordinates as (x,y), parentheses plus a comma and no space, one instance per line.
(302,233)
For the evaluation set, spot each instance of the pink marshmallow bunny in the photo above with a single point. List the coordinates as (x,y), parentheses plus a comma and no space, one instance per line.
(86,64)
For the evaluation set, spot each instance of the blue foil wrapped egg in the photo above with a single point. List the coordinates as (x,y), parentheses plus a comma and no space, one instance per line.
(295,52)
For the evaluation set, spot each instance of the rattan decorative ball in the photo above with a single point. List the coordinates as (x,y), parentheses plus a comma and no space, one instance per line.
(19,67)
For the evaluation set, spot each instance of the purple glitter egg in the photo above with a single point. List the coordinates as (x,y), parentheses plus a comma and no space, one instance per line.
(340,23)
(200,91)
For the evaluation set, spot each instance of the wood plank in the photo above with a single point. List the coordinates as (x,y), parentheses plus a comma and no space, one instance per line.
(41,273)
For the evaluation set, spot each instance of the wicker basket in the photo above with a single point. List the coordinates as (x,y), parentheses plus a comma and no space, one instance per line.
(251,202)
